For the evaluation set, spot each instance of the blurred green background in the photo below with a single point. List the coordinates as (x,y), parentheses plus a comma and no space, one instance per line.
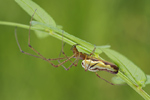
(123,24)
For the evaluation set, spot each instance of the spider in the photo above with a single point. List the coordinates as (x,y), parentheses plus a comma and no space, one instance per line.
(89,62)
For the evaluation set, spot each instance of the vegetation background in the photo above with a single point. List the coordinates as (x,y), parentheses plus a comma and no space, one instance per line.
(123,24)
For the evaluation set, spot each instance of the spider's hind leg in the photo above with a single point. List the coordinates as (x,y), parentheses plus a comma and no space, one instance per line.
(104,79)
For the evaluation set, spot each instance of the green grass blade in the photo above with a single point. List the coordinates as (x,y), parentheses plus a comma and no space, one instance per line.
(29,6)
(127,67)
(88,47)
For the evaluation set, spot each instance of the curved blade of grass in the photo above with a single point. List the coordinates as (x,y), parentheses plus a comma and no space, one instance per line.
(45,30)
(128,68)
(88,47)
(40,15)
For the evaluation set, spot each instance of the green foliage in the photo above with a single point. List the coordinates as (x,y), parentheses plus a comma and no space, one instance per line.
(45,26)
(148,79)
(29,6)
(128,68)
(118,80)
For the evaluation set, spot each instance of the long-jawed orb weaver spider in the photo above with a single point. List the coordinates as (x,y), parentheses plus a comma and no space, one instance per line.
(89,62)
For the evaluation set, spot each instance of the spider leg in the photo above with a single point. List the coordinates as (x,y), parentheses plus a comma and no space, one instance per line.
(93,51)
(36,51)
(104,79)
(39,55)
(62,51)
(74,63)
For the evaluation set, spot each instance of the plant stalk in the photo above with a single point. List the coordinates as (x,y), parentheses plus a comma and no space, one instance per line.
(138,89)
(70,41)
